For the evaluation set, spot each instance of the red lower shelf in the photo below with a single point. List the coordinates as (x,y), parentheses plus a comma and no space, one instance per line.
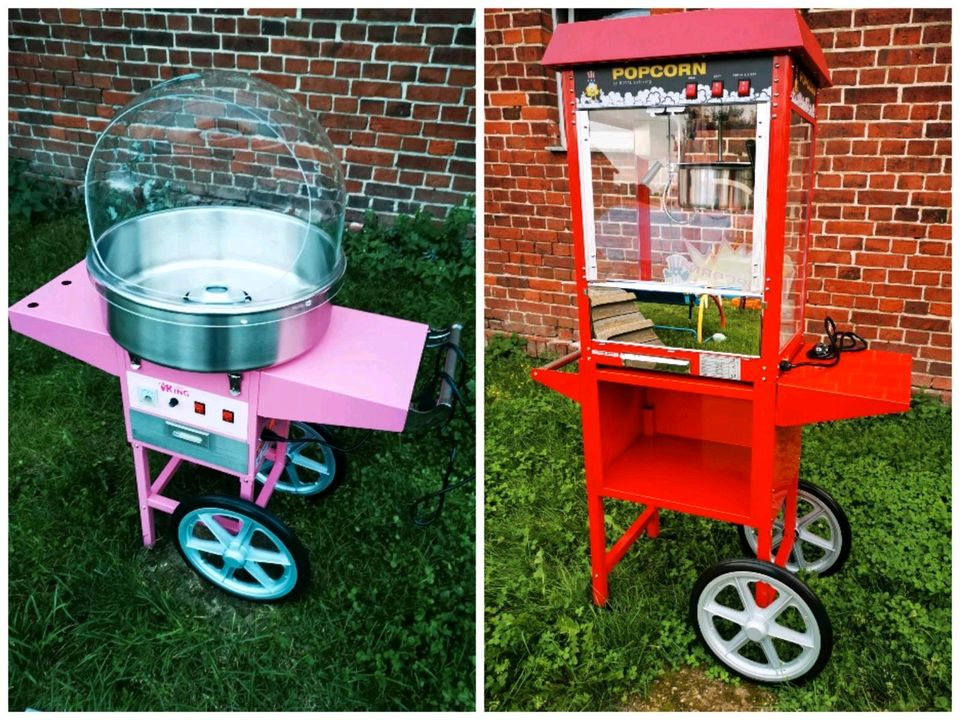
(675,473)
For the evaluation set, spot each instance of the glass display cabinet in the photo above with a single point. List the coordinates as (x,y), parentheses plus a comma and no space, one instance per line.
(691,149)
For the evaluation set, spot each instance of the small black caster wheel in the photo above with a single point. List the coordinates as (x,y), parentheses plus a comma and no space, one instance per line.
(823,535)
(241,548)
(789,640)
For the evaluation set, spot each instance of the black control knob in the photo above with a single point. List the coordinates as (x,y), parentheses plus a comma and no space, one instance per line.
(174,402)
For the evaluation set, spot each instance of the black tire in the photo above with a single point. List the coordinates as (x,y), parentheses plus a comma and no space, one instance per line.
(839,518)
(293,548)
(821,654)
(333,443)
(299,429)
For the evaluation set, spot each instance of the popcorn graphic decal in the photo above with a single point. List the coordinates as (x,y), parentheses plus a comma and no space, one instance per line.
(592,90)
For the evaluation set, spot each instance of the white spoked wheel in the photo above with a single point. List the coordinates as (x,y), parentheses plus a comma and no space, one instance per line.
(822,537)
(789,640)
(241,548)
(312,467)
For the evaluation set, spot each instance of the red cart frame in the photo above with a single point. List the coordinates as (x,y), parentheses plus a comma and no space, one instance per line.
(718,448)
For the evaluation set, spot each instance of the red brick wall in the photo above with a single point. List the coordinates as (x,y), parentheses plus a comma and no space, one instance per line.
(881,223)
(393,88)
(528,254)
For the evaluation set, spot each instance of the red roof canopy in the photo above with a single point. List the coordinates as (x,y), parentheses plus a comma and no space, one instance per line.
(684,34)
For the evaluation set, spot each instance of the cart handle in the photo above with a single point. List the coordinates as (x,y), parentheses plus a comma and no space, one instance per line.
(453,356)
(560,362)
(567,384)
(426,412)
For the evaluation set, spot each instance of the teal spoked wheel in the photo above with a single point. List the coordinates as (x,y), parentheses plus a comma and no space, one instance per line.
(313,466)
(787,641)
(241,548)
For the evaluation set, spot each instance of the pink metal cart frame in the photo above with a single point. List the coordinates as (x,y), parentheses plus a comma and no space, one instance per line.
(361,374)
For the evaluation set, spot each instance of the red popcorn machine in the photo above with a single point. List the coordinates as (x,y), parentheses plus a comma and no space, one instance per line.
(691,146)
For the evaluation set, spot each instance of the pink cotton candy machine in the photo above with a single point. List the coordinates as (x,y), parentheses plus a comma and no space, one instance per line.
(216,209)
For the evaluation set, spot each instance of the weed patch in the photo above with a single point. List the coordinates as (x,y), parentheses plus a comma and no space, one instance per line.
(31,197)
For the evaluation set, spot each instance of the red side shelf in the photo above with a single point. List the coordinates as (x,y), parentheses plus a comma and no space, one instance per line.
(872,382)
(694,476)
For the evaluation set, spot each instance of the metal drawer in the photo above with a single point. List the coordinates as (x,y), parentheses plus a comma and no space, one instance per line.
(191,442)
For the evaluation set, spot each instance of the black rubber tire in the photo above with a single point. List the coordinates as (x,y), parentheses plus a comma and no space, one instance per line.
(787,578)
(261,515)
(339,459)
(846,534)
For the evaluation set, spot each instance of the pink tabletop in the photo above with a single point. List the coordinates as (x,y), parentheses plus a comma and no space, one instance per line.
(70,317)
(361,374)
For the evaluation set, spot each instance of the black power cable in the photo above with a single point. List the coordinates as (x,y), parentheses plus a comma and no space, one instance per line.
(446,486)
(441,376)
(828,354)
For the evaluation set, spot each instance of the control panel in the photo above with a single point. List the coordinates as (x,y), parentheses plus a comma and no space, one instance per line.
(687,81)
(187,406)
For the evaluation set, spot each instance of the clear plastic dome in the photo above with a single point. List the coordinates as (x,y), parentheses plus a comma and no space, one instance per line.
(213,199)
(226,169)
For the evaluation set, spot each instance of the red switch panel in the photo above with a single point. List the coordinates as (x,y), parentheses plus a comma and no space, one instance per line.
(716,89)
(743,88)
(691,93)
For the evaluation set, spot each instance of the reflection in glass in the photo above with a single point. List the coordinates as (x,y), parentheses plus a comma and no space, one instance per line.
(673,196)
(671,230)
(799,175)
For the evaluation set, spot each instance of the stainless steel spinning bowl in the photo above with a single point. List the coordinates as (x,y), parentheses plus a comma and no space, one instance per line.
(216,288)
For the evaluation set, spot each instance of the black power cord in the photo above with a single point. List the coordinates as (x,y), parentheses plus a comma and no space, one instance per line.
(428,396)
(828,354)
(421,519)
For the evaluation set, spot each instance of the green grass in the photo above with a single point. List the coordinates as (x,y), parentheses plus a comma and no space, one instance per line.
(742,331)
(548,648)
(97,622)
